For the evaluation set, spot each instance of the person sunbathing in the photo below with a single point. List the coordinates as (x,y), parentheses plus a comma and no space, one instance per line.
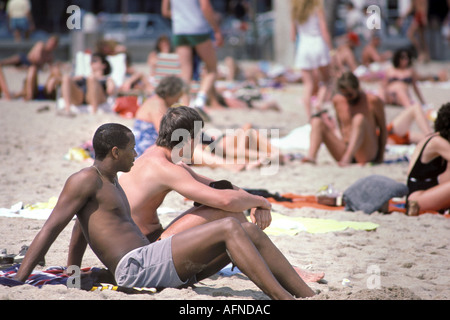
(399,129)
(241,149)
(149,115)
(398,79)
(41,53)
(32,90)
(93,90)
(362,129)
(428,175)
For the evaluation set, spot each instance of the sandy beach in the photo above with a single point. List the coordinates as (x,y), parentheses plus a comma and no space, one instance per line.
(404,258)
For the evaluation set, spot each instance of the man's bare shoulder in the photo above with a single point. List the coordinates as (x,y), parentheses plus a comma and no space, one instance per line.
(83,183)
(153,161)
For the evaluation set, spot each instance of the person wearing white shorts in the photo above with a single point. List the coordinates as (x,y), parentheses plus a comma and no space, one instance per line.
(313,51)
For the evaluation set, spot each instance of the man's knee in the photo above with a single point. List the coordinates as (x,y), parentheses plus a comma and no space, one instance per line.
(230,225)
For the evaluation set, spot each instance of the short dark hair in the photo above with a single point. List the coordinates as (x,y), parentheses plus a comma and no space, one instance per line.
(442,123)
(108,136)
(105,61)
(177,118)
(348,80)
(397,56)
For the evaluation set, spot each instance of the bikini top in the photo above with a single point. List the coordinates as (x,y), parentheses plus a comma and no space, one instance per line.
(430,170)
(407,80)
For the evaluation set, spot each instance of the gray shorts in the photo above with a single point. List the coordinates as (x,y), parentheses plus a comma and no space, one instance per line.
(150,266)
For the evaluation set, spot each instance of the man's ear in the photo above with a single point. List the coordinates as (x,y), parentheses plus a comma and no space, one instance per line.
(115,152)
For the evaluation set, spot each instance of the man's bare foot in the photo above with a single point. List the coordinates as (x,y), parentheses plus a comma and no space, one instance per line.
(309,276)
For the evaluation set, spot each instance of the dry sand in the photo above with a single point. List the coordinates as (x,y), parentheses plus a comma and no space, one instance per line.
(409,255)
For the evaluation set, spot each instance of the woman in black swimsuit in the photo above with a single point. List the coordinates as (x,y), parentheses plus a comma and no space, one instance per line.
(92,90)
(399,78)
(428,177)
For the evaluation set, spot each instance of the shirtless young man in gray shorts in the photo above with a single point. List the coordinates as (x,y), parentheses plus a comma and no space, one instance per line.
(95,196)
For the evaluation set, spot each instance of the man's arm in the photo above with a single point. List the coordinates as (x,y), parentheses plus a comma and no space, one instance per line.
(75,193)
(200,178)
(180,180)
(77,246)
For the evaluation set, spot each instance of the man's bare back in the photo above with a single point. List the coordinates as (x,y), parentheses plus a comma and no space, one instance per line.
(155,174)
(144,192)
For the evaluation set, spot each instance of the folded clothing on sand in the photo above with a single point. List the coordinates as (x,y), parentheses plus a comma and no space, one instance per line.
(369,194)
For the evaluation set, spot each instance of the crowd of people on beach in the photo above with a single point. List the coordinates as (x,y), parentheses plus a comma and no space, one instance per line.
(117,215)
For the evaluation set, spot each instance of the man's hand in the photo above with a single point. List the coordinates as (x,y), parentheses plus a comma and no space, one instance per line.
(261,217)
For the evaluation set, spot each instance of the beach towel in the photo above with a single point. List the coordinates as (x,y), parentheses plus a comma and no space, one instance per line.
(55,275)
(301,201)
(286,225)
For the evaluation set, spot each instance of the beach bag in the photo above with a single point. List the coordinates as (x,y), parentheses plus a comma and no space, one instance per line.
(126,106)
(371,193)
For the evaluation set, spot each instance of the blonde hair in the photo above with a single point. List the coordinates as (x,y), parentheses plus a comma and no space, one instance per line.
(302,9)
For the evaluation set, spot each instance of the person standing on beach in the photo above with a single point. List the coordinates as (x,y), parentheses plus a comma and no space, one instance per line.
(192,21)
(20,18)
(362,125)
(313,50)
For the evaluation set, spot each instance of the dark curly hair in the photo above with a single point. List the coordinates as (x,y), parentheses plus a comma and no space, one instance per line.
(442,123)
(398,55)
